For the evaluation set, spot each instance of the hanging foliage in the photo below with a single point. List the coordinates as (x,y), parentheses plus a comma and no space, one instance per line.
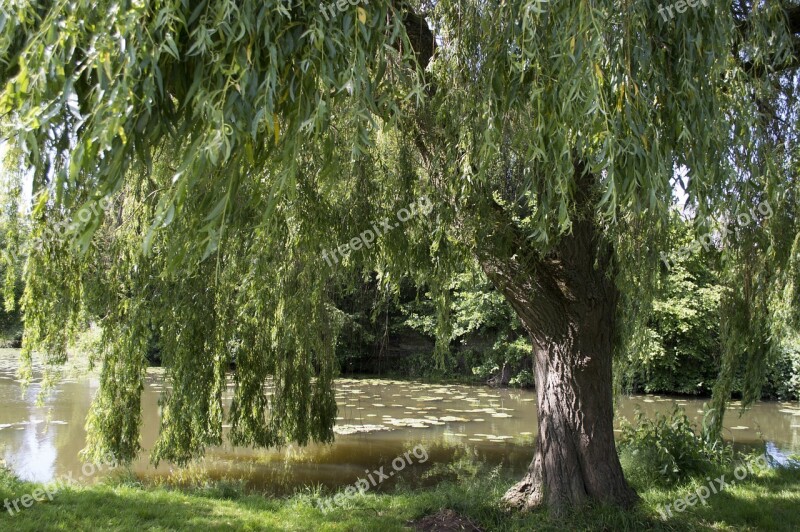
(220,146)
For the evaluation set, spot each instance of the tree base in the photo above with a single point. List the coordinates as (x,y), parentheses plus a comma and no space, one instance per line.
(524,496)
(530,493)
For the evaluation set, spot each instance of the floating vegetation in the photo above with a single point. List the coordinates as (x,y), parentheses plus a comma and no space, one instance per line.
(452,418)
(409,422)
(345,430)
(473,411)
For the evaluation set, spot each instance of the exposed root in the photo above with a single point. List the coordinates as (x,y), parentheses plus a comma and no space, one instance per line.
(524,495)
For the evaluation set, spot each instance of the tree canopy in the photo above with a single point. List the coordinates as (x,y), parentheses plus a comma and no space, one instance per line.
(232,141)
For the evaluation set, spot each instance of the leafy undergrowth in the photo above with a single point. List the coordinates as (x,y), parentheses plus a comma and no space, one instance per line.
(765,500)
(669,449)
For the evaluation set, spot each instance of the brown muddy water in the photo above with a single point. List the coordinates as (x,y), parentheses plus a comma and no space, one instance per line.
(379,420)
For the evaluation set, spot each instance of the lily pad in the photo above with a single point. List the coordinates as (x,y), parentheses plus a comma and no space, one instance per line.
(358,429)
(452,418)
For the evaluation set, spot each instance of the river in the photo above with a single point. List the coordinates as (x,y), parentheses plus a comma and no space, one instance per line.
(378,421)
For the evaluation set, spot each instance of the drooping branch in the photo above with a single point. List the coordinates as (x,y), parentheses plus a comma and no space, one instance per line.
(758,69)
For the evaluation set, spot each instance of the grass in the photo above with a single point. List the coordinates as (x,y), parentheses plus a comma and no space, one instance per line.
(767,500)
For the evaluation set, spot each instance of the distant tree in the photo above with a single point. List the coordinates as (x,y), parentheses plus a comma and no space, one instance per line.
(679,351)
(239,140)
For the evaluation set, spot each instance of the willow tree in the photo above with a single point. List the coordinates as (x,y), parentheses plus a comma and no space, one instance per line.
(233,142)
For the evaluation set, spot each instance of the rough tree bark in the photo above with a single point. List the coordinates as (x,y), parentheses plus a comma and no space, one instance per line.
(567,303)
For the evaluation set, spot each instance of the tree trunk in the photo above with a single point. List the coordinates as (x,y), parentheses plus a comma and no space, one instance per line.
(502,378)
(567,303)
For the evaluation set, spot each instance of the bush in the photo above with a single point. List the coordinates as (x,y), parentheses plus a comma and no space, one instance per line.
(667,450)
(783,374)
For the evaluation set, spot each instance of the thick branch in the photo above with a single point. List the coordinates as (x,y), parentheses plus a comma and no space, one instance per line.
(420,36)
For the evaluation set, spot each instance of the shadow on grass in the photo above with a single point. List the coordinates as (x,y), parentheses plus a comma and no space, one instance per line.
(768,501)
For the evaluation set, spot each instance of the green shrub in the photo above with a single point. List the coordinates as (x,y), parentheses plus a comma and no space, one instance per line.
(783,374)
(523,379)
(666,450)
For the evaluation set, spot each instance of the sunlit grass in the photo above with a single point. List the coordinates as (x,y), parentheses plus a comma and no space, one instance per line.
(765,501)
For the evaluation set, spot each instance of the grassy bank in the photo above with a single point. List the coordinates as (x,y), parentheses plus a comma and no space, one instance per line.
(768,500)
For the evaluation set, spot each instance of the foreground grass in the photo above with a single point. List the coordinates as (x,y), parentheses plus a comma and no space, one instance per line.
(766,501)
